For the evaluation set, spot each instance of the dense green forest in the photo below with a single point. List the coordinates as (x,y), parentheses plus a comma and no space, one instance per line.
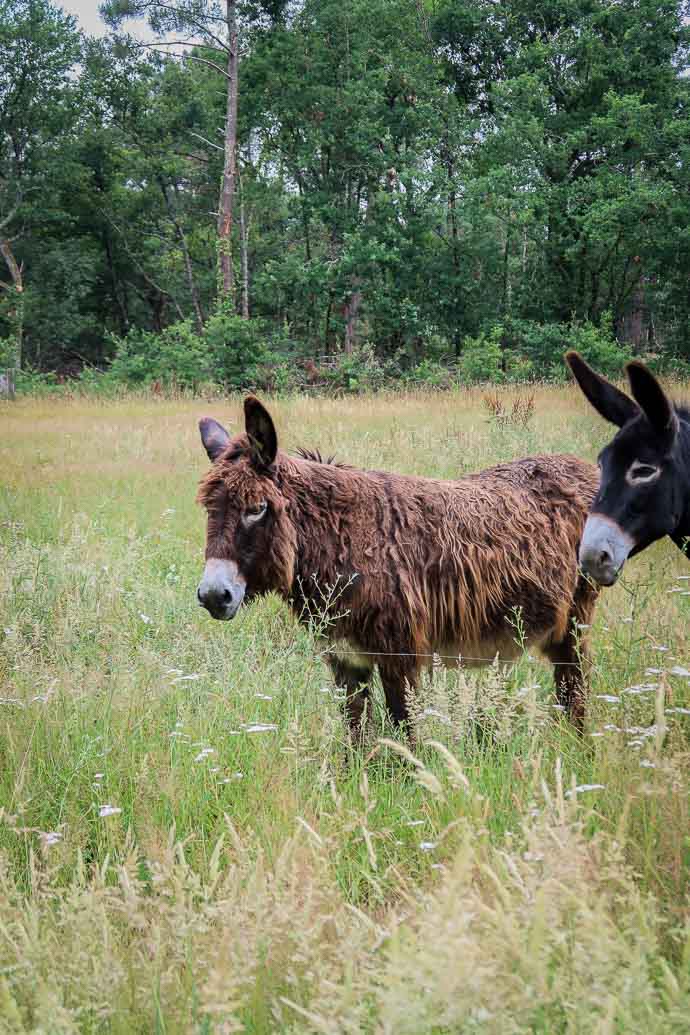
(344,189)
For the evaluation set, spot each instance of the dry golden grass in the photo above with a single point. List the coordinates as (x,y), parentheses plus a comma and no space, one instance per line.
(162,868)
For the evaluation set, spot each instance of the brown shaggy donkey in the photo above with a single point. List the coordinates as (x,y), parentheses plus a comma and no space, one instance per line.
(425,566)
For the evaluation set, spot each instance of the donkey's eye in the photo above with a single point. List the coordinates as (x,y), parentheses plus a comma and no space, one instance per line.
(253,514)
(639,472)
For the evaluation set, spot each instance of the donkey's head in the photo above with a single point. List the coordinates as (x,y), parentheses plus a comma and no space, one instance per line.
(642,489)
(250,539)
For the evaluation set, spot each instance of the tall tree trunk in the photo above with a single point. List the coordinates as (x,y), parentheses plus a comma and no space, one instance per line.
(189,269)
(244,251)
(351,314)
(225,208)
(17,288)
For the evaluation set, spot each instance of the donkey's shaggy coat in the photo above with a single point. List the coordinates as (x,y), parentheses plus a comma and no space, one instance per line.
(424,565)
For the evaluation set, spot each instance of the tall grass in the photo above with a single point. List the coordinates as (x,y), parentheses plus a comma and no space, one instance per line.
(187,843)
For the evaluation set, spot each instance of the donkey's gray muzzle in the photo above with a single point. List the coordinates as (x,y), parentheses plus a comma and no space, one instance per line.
(604,549)
(222,589)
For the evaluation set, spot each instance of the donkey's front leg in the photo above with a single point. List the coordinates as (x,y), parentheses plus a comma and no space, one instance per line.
(399,679)
(356,681)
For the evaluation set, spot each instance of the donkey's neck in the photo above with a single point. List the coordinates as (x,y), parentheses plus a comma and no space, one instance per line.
(325,502)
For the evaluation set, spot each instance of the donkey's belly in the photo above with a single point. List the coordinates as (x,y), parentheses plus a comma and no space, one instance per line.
(484,652)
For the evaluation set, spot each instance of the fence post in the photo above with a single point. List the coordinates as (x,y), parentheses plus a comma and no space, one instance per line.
(7,383)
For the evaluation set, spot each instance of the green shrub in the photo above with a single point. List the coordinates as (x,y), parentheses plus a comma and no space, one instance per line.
(175,355)
(482,357)
(237,349)
(358,371)
(544,345)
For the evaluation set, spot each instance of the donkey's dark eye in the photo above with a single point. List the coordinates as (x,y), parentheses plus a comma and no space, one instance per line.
(639,472)
(253,514)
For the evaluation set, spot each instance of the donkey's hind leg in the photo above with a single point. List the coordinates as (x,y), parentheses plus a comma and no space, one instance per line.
(571,657)
(355,680)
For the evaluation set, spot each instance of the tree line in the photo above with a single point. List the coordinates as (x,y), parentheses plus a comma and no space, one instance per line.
(379,185)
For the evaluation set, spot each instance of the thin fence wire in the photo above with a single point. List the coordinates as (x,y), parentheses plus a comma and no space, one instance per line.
(441,657)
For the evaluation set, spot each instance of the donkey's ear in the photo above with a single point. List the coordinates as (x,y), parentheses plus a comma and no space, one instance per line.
(613,405)
(657,406)
(261,432)
(214,437)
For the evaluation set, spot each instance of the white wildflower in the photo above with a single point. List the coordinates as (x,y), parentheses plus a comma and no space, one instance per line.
(583,787)
(109,810)
(50,837)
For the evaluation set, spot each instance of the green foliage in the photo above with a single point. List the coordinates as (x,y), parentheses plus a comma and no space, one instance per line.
(175,356)
(451,169)
(359,371)
(236,349)
(482,357)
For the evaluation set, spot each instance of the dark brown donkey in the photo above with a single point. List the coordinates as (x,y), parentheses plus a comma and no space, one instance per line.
(425,566)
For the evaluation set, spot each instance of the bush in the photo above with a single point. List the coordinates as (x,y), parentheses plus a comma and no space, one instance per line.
(175,355)
(482,357)
(358,371)
(237,350)
(543,346)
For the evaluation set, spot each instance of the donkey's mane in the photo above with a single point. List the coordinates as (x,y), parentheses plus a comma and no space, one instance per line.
(314,455)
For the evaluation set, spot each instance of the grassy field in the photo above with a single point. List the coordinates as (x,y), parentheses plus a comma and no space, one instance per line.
(185,845)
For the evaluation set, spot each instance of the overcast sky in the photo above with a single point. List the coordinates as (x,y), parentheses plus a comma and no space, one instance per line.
(90,20)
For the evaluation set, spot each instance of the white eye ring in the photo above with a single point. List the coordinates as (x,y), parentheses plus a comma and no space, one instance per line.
(647,473)
(252,517)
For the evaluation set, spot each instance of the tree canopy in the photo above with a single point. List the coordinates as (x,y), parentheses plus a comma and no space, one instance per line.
(420,179)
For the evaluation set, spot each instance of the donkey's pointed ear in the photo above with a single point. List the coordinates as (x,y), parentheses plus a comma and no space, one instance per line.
(214,437)
(613,405)
(260,431)
(657,406)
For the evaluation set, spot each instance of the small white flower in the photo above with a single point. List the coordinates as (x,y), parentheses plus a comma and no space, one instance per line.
(145,618)
(611,698)
(678,670)
(204,753)
(109,810)
(264,697)
(51,837)
(260,727)
(185,679)
(653,671)
(581,788)
(433,713)
(646,764)
(427,846)
(98,776)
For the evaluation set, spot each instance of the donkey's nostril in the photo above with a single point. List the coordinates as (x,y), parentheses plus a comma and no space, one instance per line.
(198,596)
(227,596)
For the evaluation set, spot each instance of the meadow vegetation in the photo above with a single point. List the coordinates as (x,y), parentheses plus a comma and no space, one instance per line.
(186,843)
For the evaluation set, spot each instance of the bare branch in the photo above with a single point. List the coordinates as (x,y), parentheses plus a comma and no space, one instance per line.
(209,142)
